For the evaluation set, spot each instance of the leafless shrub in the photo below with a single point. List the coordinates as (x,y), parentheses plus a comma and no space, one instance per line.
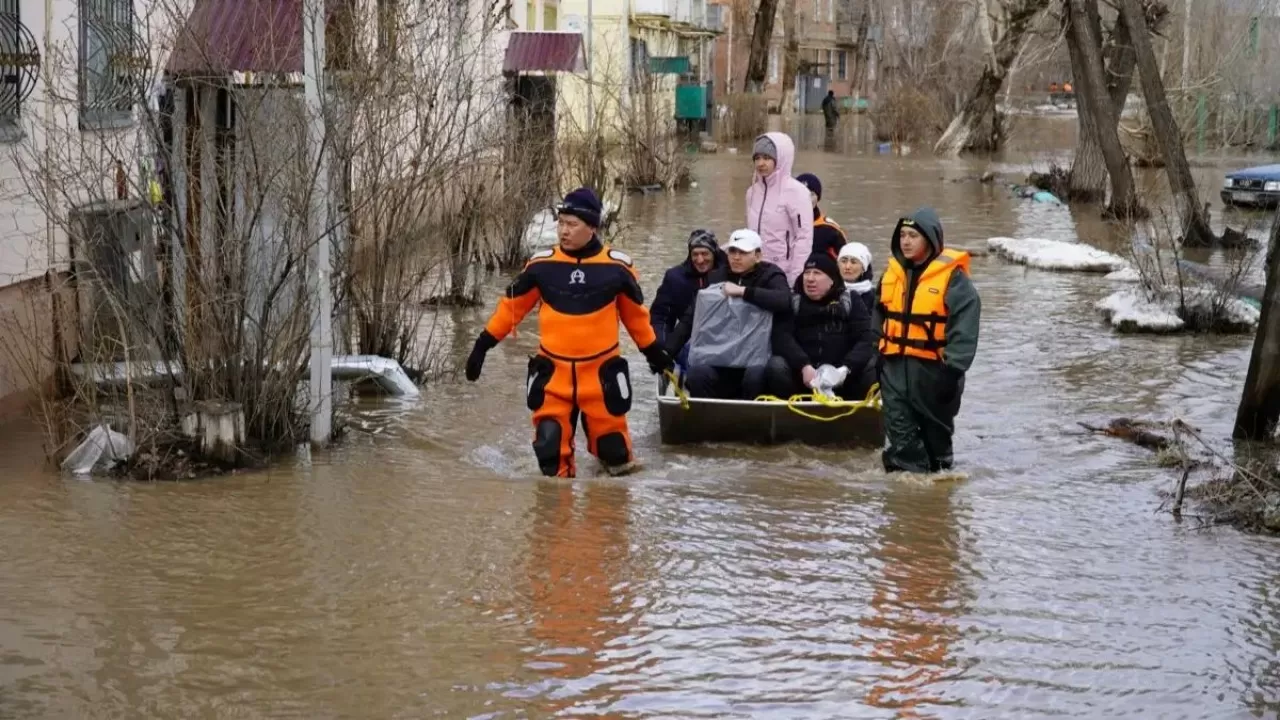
(745,117)
(1205,302)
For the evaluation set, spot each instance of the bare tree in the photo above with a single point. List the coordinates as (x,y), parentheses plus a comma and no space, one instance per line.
(790,58)
(1004,26)
(1259,408)
(761,39)
(1095,106)
(1195,227)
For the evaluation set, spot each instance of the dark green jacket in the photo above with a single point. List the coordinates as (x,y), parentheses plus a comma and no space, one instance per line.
(964,308)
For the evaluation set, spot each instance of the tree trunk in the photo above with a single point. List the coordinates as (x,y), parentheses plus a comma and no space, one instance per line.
(1088,179)
(790,60)
(1260,401)
(1195,228)
(860,54)
(761,34)
(1091,87)
(1006,43)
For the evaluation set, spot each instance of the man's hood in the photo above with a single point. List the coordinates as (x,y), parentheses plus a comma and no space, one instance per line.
(925,220)
(786,156)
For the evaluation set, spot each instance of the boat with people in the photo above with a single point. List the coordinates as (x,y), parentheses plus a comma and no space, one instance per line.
(808,420)
(781,335)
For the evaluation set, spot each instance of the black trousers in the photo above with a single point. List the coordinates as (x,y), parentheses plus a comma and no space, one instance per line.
(725,383)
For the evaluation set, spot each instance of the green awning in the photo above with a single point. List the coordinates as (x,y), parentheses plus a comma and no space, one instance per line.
(678,65)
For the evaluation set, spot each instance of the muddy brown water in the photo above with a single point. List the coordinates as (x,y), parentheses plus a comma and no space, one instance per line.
(422,569)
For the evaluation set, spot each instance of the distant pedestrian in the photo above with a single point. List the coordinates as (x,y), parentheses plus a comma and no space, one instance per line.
(830,113)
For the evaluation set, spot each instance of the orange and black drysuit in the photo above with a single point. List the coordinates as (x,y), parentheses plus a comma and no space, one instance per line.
(578,373)
(927,316)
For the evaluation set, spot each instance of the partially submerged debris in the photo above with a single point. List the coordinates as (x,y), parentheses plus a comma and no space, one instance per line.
(1195,309)
(1139,432)
(1244,494)
(102,450)
(1056,255)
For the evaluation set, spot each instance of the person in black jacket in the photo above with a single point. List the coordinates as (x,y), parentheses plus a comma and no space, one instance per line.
(760,283)
(826,327)
(828,236)
(680,284)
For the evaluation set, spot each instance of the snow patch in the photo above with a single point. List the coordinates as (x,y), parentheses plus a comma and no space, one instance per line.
(1127,274)
(1132,311)
(1056,255)
(1136,310)
(542,232)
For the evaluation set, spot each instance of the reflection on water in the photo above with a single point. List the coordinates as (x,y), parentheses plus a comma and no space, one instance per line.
(577,565)
(914,606)
(424,568)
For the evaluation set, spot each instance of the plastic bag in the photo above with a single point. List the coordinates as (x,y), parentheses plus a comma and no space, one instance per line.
(101,450)
(729,332)
(829,378)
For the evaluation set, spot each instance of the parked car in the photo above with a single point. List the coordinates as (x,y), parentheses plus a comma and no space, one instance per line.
(1252,187)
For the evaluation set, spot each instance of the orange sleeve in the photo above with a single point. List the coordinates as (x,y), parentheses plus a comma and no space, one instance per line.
(635,316)
(520,298)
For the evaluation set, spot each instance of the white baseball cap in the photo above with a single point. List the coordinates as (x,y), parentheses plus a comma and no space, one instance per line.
(744,240)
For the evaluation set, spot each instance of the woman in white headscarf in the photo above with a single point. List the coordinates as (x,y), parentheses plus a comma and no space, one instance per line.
(855,268)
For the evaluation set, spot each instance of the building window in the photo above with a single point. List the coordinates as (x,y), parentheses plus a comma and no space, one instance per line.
(829,68)
(773,64)
(843,65)
(831,11)
(111,63)
(23,64)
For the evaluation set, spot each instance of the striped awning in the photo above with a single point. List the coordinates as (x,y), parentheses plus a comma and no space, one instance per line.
(544,51)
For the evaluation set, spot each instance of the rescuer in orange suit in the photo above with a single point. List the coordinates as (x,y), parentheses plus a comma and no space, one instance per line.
(578,372)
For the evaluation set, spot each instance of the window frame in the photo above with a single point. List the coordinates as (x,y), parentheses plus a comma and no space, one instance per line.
(93,117)
(11,124)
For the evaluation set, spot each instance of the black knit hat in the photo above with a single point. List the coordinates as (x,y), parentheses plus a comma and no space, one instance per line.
(582,204)
(812,182)
(827,265)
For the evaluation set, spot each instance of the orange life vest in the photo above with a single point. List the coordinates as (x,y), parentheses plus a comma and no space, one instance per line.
(824,221)
(921,331)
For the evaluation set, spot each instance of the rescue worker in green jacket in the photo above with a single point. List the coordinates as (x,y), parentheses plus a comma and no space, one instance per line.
(927,315)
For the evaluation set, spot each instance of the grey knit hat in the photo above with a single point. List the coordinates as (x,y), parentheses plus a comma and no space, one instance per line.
(764,146)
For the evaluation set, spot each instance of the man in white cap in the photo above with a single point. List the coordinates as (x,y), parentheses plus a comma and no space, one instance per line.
(756,281)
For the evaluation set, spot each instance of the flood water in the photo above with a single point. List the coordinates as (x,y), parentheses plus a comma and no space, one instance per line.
(423,569)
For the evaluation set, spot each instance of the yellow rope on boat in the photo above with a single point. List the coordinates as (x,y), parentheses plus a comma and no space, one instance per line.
(872,400)
(675,385)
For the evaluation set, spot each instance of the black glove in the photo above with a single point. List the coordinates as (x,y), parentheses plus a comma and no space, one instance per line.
(949,384)
(475,361)
(658,359)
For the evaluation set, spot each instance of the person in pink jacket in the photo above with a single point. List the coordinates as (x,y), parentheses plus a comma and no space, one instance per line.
(778,205)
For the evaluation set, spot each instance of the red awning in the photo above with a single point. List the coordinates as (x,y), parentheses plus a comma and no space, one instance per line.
(529,51)
(225,36)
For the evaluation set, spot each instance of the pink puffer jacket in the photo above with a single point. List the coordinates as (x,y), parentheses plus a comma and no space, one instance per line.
(778,208)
